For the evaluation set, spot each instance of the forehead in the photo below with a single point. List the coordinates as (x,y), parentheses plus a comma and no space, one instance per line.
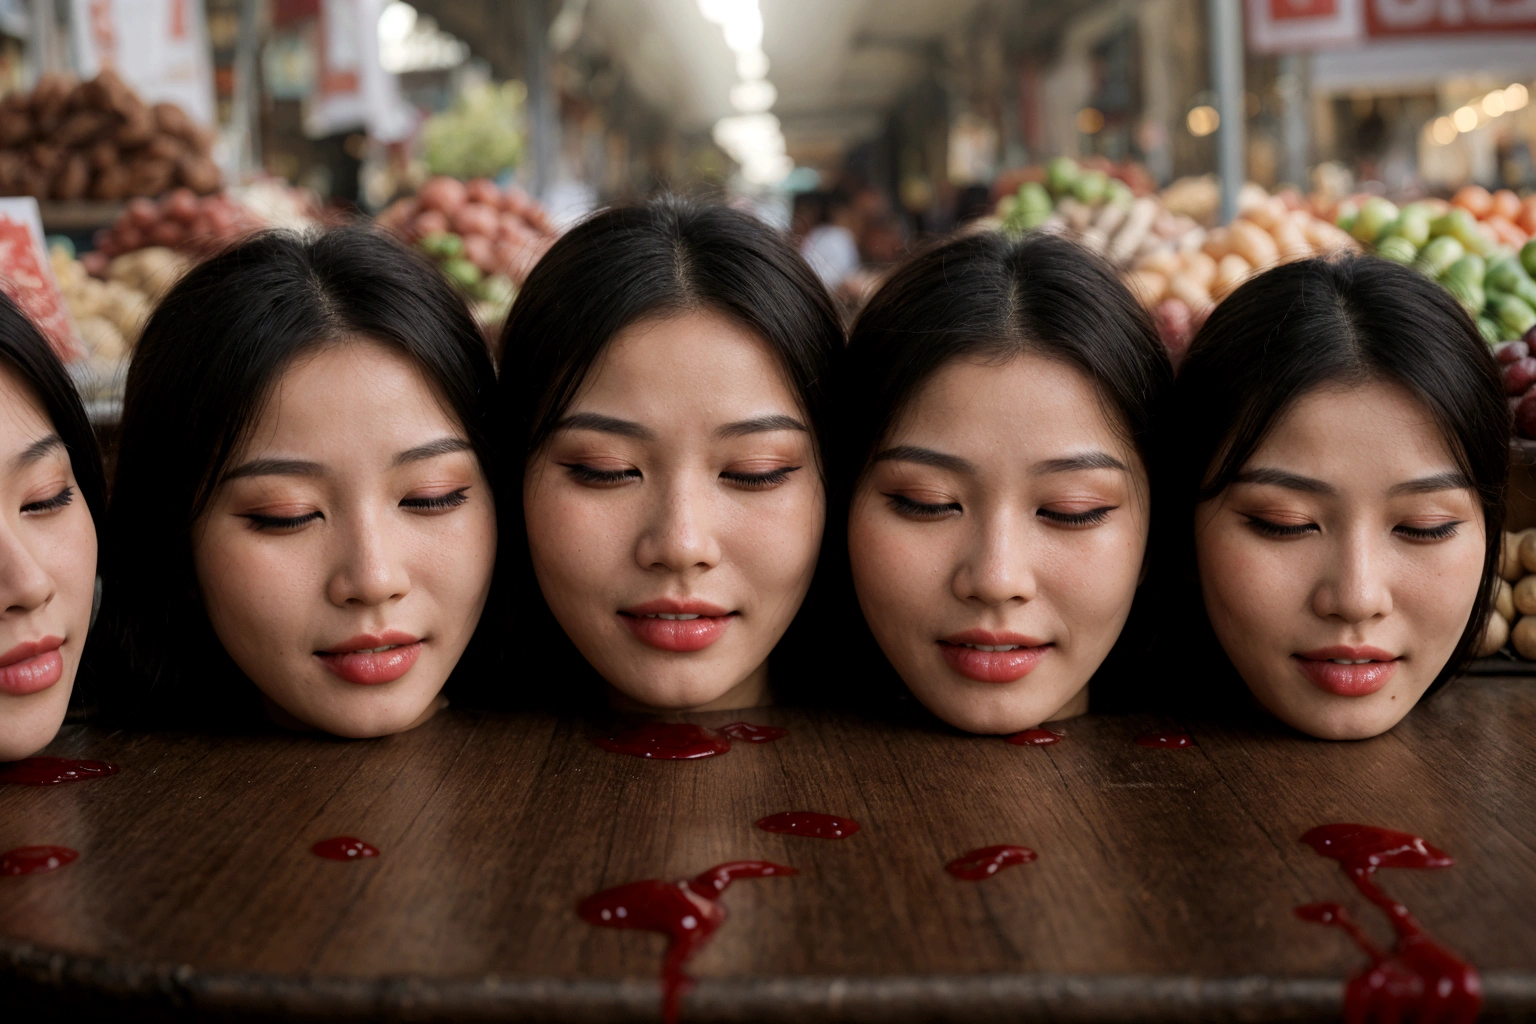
(350,393)
(1355,433)
(695,366)
(1029,403)
(22,417)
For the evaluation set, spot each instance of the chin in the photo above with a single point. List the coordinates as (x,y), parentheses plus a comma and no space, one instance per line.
(673,694)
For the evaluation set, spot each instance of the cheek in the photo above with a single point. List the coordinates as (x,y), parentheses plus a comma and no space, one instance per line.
(899,569)
(579,539)
(1440,588)
(69,557)
(1248,584)
(774,543)
(255,592)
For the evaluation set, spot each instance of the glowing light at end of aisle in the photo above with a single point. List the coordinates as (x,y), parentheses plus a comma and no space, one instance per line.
(1516,96)
(753,97)
(1443,131)
(1493,103)
(756,142)
(1202,120)
(752,64)
(1090,121)
(752,138)
(1465,119)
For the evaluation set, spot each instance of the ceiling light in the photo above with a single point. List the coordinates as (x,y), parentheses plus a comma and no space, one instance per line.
(1203,120)
(1465,119)
(753,97)
(1515,97)
(1493,103)
(1443,131)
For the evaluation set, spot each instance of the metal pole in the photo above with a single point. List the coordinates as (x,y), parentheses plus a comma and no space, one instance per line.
(1224,22)
(42,42)
(243,115)
(1293,121)
(541,99)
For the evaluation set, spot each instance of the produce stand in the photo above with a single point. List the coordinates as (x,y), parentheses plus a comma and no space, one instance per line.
(1165,885)
(80,217)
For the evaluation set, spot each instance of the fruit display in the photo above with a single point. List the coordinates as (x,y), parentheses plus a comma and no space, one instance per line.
(1513,620)
(485,238)
(188,223)
(481,135)
(109,314)
(70,140)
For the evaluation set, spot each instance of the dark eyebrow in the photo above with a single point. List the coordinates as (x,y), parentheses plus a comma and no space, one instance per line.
(925,457)
(37,449)
(1451,481)
(760,425)
(605,425)
(1280,478)
(275,467)
(432,449)
(1087,460)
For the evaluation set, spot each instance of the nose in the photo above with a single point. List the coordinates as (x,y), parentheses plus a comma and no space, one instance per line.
(25,585)
(996,569)
(1355,586)
(370,566)
(681,533)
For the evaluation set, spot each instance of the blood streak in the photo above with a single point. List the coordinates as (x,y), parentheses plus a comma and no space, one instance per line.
(746,732)
(687,912)
(1168,740)
(1419,979)
(665,741)
(988,861)
(809,823)
(1036,738)
(35,860)
(344,848)
(50,771)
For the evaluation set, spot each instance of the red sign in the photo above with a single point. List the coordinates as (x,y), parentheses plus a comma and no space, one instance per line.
(1288,26)
(1291,10)
(1438,17)
(28,281)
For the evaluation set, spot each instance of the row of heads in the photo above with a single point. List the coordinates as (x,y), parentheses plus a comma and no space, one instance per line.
(679,484)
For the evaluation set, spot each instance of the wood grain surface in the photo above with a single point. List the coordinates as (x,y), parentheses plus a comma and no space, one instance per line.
(1164,888)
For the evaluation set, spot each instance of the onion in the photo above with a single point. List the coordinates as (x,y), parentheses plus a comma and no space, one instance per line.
(443,194)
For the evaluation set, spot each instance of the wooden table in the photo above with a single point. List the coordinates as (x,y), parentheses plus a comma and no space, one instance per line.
(1164,889)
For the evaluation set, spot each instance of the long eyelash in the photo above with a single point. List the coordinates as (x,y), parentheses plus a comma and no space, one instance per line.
(52,504)
(1092,517)
(453,499)
(261,522)
(588,475)
(1269,529)
(1440,532)
(919,509)
(760,481)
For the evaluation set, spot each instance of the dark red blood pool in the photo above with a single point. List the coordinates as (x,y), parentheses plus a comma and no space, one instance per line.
(809,823)
(666,741)
(988,861)
(746,732)
(1419,979)
(687,912)
(50,771)
(35,860)
(344,848)
(1166,740)
(1036,738)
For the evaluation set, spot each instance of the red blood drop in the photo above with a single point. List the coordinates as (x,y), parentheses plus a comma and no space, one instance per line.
(1169,740)
(686,912)
(1036,738)
(746,732)
(35,860)
(988,861)
(344,848)
(665,741)
(809,823)
(1419,980)
(50,771)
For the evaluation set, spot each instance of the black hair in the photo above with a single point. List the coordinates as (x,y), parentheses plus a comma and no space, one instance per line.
(1279,337)
(619,267)
(992,297)
(204,367)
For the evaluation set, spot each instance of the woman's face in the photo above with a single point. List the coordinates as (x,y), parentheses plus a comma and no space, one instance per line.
(997,540)
(675,516)
(47,573)
(347,552)
(1340,569)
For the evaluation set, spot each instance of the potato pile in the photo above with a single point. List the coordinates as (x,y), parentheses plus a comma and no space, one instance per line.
(110,314)
(1513,621)
(97,140)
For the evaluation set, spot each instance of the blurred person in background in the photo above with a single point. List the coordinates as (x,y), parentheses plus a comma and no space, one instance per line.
(831,247)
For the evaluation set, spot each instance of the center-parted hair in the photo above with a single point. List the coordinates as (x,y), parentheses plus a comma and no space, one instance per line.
(202,372)
(620,267)
(1281,336)
(986,297)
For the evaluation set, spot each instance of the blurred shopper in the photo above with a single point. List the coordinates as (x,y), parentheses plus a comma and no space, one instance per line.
(832,247)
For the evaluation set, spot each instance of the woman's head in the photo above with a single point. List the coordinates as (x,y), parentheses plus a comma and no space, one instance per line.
(663,383)
(303,490)
(1336,450)
(998,398)
(51,496)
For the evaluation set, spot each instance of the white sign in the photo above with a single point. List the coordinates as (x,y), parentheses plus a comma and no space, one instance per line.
(1280,26)
(352,89)
(159,47)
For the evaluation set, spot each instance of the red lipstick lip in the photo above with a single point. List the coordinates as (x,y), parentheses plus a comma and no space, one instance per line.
(31,667)
(346,661)
(1347,680)
(993,666)
(679,636)
(1350,653)
(992,638)
(675,606)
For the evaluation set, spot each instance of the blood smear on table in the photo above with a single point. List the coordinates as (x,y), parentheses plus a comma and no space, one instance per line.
(746,732)
(687,912)
(50,771)
(666,741)
(809,823)
(344,848)
(1419,979)
(1036,738)
(1166,740)
(35,860)
(988,861)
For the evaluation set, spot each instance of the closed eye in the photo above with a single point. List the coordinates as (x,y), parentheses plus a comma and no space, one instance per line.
(1277,530)
(599,477)
(922,510)
(759,481)
(436,503)
(261,522)
(1092,517)
(53,504)
(1441,532)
